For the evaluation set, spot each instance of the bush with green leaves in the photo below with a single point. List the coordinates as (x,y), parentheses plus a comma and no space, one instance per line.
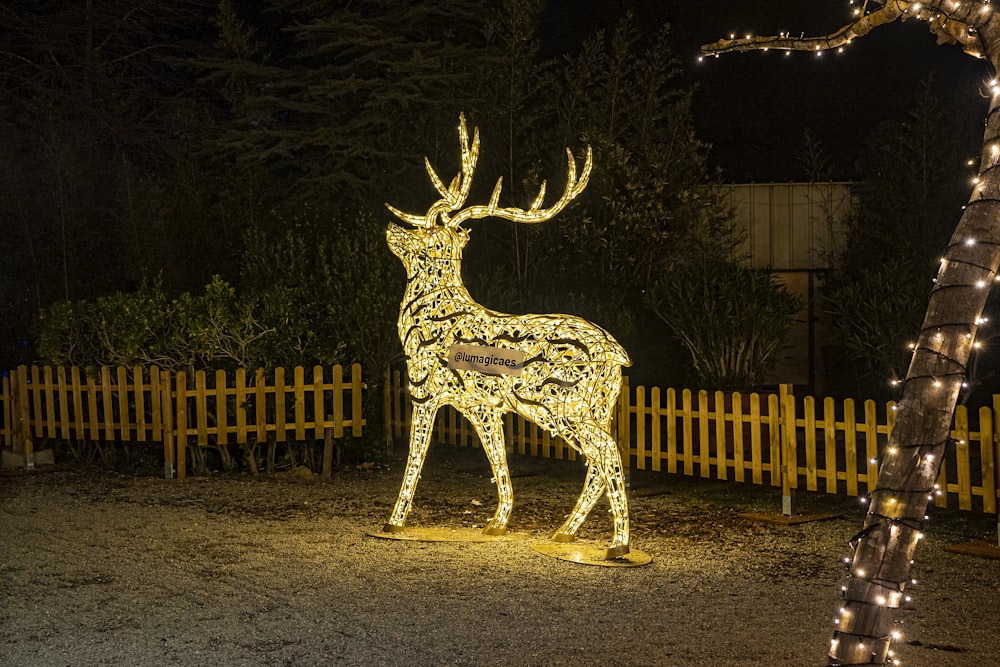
(214,329)
(732,320)
(874,313)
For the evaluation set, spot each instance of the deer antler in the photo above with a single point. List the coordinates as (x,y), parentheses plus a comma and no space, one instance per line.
(454,195)
(535,213)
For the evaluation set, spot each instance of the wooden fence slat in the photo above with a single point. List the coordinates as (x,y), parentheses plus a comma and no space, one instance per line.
(22,409)
(338,401)
(280,391)
(65,422)
(155,399)
(704,444)
(222,428)
(300,403)
(78,403)
(789,446)
(139,394)
(830,444)
(463,433)
(809,414)
(121,390)
(739,441)
(319,411)
(240,392)
(240,386)
(775,438)
(640,427)
(672,439)
(851,447)
(533,440)
(871,446)
(181,424)
(94,430)
(49,415)
(107,404)
(687,432)
(988,445)
(960,434)
(451,426)
(170,471)
(657,444)
(36,403)
(756,454)
(721,459)
(260,405)
(522,437)
(357,405)
(201,408)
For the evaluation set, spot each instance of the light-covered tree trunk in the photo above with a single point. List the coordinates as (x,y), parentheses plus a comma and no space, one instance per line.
(884,549)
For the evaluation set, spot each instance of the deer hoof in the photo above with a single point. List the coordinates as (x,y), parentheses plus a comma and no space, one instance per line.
(392,528)
(563,537)
(495,530)
(616,552)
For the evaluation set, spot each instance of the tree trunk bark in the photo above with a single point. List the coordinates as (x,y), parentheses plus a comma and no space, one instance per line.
(884,549)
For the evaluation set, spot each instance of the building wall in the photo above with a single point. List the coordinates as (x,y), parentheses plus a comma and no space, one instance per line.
(789,226)
(794,230)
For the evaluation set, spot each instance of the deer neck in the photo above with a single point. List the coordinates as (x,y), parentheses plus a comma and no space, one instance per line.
(435,284)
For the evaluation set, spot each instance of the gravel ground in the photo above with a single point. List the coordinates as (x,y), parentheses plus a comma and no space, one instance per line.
(100,568)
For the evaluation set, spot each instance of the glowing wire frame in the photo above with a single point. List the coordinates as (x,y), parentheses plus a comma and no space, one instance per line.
(569,378)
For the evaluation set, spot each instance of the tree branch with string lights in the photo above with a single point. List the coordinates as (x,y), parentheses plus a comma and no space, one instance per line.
(883,550)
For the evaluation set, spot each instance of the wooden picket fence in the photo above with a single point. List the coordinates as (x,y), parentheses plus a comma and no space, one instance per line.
(776,439)
(149,405)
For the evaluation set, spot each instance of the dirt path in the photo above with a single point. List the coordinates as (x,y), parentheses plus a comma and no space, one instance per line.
(98,568)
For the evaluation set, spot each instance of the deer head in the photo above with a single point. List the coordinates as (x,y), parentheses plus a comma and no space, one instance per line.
(438,233)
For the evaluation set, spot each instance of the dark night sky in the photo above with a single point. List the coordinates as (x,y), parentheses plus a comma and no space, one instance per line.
(754,108)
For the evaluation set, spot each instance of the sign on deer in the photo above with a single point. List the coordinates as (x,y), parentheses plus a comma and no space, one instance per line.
(569,370)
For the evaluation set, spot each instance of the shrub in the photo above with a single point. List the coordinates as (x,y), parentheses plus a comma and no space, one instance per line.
(732,320)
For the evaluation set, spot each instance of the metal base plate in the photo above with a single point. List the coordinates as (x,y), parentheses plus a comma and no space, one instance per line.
(588,554)
(432,534)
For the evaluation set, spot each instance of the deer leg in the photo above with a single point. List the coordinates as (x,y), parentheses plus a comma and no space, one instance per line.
(604,475)
(593,489)
(611,464)
(488,423)
(421,425)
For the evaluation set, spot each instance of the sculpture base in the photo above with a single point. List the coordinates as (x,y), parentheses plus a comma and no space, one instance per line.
(588,554)
(432,534)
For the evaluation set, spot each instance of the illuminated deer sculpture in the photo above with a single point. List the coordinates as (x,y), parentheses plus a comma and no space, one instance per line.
(560,372)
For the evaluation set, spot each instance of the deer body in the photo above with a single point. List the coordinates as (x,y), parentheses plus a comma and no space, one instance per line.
(568,384)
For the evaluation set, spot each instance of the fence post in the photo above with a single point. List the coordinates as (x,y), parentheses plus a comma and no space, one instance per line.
(22,417)
(996,454)
(167,419)
(789,456)
(181,424)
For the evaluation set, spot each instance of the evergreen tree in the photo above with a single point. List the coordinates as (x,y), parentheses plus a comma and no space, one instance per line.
(907,205)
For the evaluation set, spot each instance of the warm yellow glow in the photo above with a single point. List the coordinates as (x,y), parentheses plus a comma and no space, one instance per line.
(567,382)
